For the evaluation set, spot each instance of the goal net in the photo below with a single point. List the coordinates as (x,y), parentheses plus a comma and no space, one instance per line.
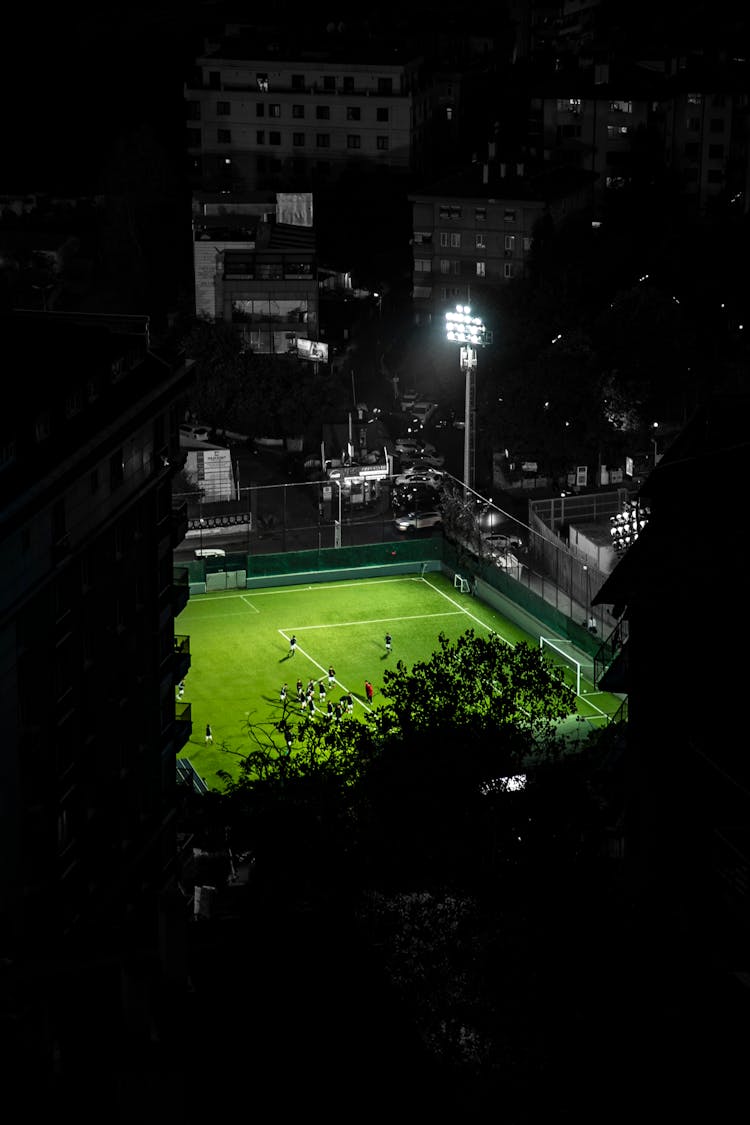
(557,654)
(460,583)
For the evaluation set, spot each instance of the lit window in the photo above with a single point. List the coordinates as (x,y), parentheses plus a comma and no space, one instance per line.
(507,269)
(480,241)
(481,267)
(456,239)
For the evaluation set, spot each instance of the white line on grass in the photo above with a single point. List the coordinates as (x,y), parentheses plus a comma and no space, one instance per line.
(302,589)
(307,656)
(244,601)
(378,620)
(461,609)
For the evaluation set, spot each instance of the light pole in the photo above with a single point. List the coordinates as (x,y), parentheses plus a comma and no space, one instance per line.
(337,527)
(655,426)
(468,331)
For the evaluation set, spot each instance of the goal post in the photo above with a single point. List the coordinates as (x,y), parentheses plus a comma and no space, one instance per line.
(460,583)
(564,660)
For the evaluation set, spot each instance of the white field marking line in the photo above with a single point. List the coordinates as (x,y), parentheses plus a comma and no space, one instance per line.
(244,601)
(468,614)
(325,672)
(317,586)
(376,621)
(584,694)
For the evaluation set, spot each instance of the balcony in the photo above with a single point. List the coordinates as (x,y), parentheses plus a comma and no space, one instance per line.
(180,589)
(183,725)
(182,658)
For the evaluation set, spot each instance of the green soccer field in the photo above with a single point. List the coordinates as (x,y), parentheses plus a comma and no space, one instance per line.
(239,643)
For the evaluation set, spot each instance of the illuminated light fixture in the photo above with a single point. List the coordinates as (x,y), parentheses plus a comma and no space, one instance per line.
(468,331)
(626,526)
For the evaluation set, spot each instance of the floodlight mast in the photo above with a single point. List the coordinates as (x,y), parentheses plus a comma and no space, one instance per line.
(470,333)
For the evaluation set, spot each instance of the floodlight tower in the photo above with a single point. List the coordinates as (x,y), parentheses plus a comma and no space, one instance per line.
(468,331)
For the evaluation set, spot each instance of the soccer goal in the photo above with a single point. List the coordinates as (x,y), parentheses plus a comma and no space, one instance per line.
(557,655)
(461,584)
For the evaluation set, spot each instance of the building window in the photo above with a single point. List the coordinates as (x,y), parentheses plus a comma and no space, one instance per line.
(329,82)
(298,111)
(262,80)
(695,99)
(353,141)
(260,109)
(692,150)
(455,265)
(323,140)
(382,113)
(194,111)
(298,81)
(422,265)
(445,266)
(717,125)
(260,137)
(194,138)
(223,109)
(569,105)
(481,269)
(423,237)
(620,107)
(526,243)
(716,152)
(353,113)
(224,136)
(509,216)
(480,214)
(274,110)
(456,239)
(274,138)
(322,112)
(566,132)
(480,241)
(444,240)
(510,243)
(382,144)
(449,113)
(691,175)
(385,85)
(298,140)
(718,100)
(694,124)
(507,269)
(347,84)
(617,130)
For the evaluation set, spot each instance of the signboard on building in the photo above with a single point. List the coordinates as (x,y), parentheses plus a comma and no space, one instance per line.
(313,350)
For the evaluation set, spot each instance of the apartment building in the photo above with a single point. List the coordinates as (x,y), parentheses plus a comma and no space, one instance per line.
(255,266)
(701,116)
(474,232)
(91,654)
(589,121)
(295,114)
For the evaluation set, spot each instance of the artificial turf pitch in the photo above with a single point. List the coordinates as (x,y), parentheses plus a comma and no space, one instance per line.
(240,653)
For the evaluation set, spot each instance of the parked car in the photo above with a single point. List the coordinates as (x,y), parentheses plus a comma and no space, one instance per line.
(421,413)
(508,562)
(407,399)
(497,541)
(415,521)
(424,462)
(409,477)
(418,496)
(413,445)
